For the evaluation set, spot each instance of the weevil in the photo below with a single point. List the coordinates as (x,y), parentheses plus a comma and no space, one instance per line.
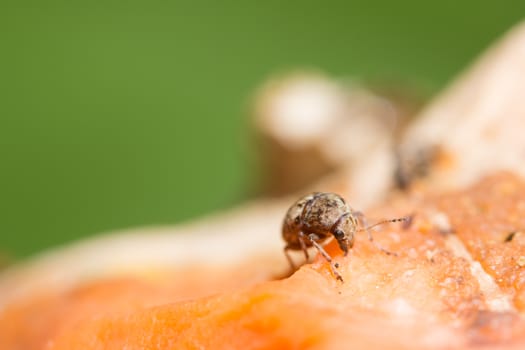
(319,216)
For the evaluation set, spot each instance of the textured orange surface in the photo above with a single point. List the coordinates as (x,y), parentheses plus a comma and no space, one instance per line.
(428,296)
(484,218)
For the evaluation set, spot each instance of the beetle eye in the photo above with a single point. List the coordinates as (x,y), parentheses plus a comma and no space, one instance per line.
(296,220)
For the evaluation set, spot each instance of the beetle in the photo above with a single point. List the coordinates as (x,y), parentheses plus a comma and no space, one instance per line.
(319,216)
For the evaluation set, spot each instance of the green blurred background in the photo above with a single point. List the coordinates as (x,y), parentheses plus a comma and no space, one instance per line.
(118,115)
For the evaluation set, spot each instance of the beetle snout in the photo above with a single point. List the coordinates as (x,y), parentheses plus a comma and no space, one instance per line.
(342,241)
(344,245)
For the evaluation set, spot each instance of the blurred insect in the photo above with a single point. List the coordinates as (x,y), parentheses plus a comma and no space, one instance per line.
(317,217)
(414,165)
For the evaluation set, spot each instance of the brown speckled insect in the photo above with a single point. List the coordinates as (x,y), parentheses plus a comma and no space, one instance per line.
(316,217)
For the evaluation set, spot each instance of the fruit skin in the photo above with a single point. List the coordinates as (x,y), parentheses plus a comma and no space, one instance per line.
(428,297)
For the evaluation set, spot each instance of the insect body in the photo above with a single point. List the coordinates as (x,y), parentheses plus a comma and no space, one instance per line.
(317,217)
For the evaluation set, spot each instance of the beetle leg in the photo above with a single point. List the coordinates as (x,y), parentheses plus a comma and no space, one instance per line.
(333,265)
(364,224)
(292,264)
(302,237)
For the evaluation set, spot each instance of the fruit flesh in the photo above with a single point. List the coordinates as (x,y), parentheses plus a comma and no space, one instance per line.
(456,282)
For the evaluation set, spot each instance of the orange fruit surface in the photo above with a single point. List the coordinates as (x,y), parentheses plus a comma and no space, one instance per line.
(457,281)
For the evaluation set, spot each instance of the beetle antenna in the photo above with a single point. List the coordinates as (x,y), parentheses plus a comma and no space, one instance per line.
(403,219)
(365,227)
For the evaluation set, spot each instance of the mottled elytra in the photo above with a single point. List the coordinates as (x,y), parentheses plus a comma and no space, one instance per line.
(319,216)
